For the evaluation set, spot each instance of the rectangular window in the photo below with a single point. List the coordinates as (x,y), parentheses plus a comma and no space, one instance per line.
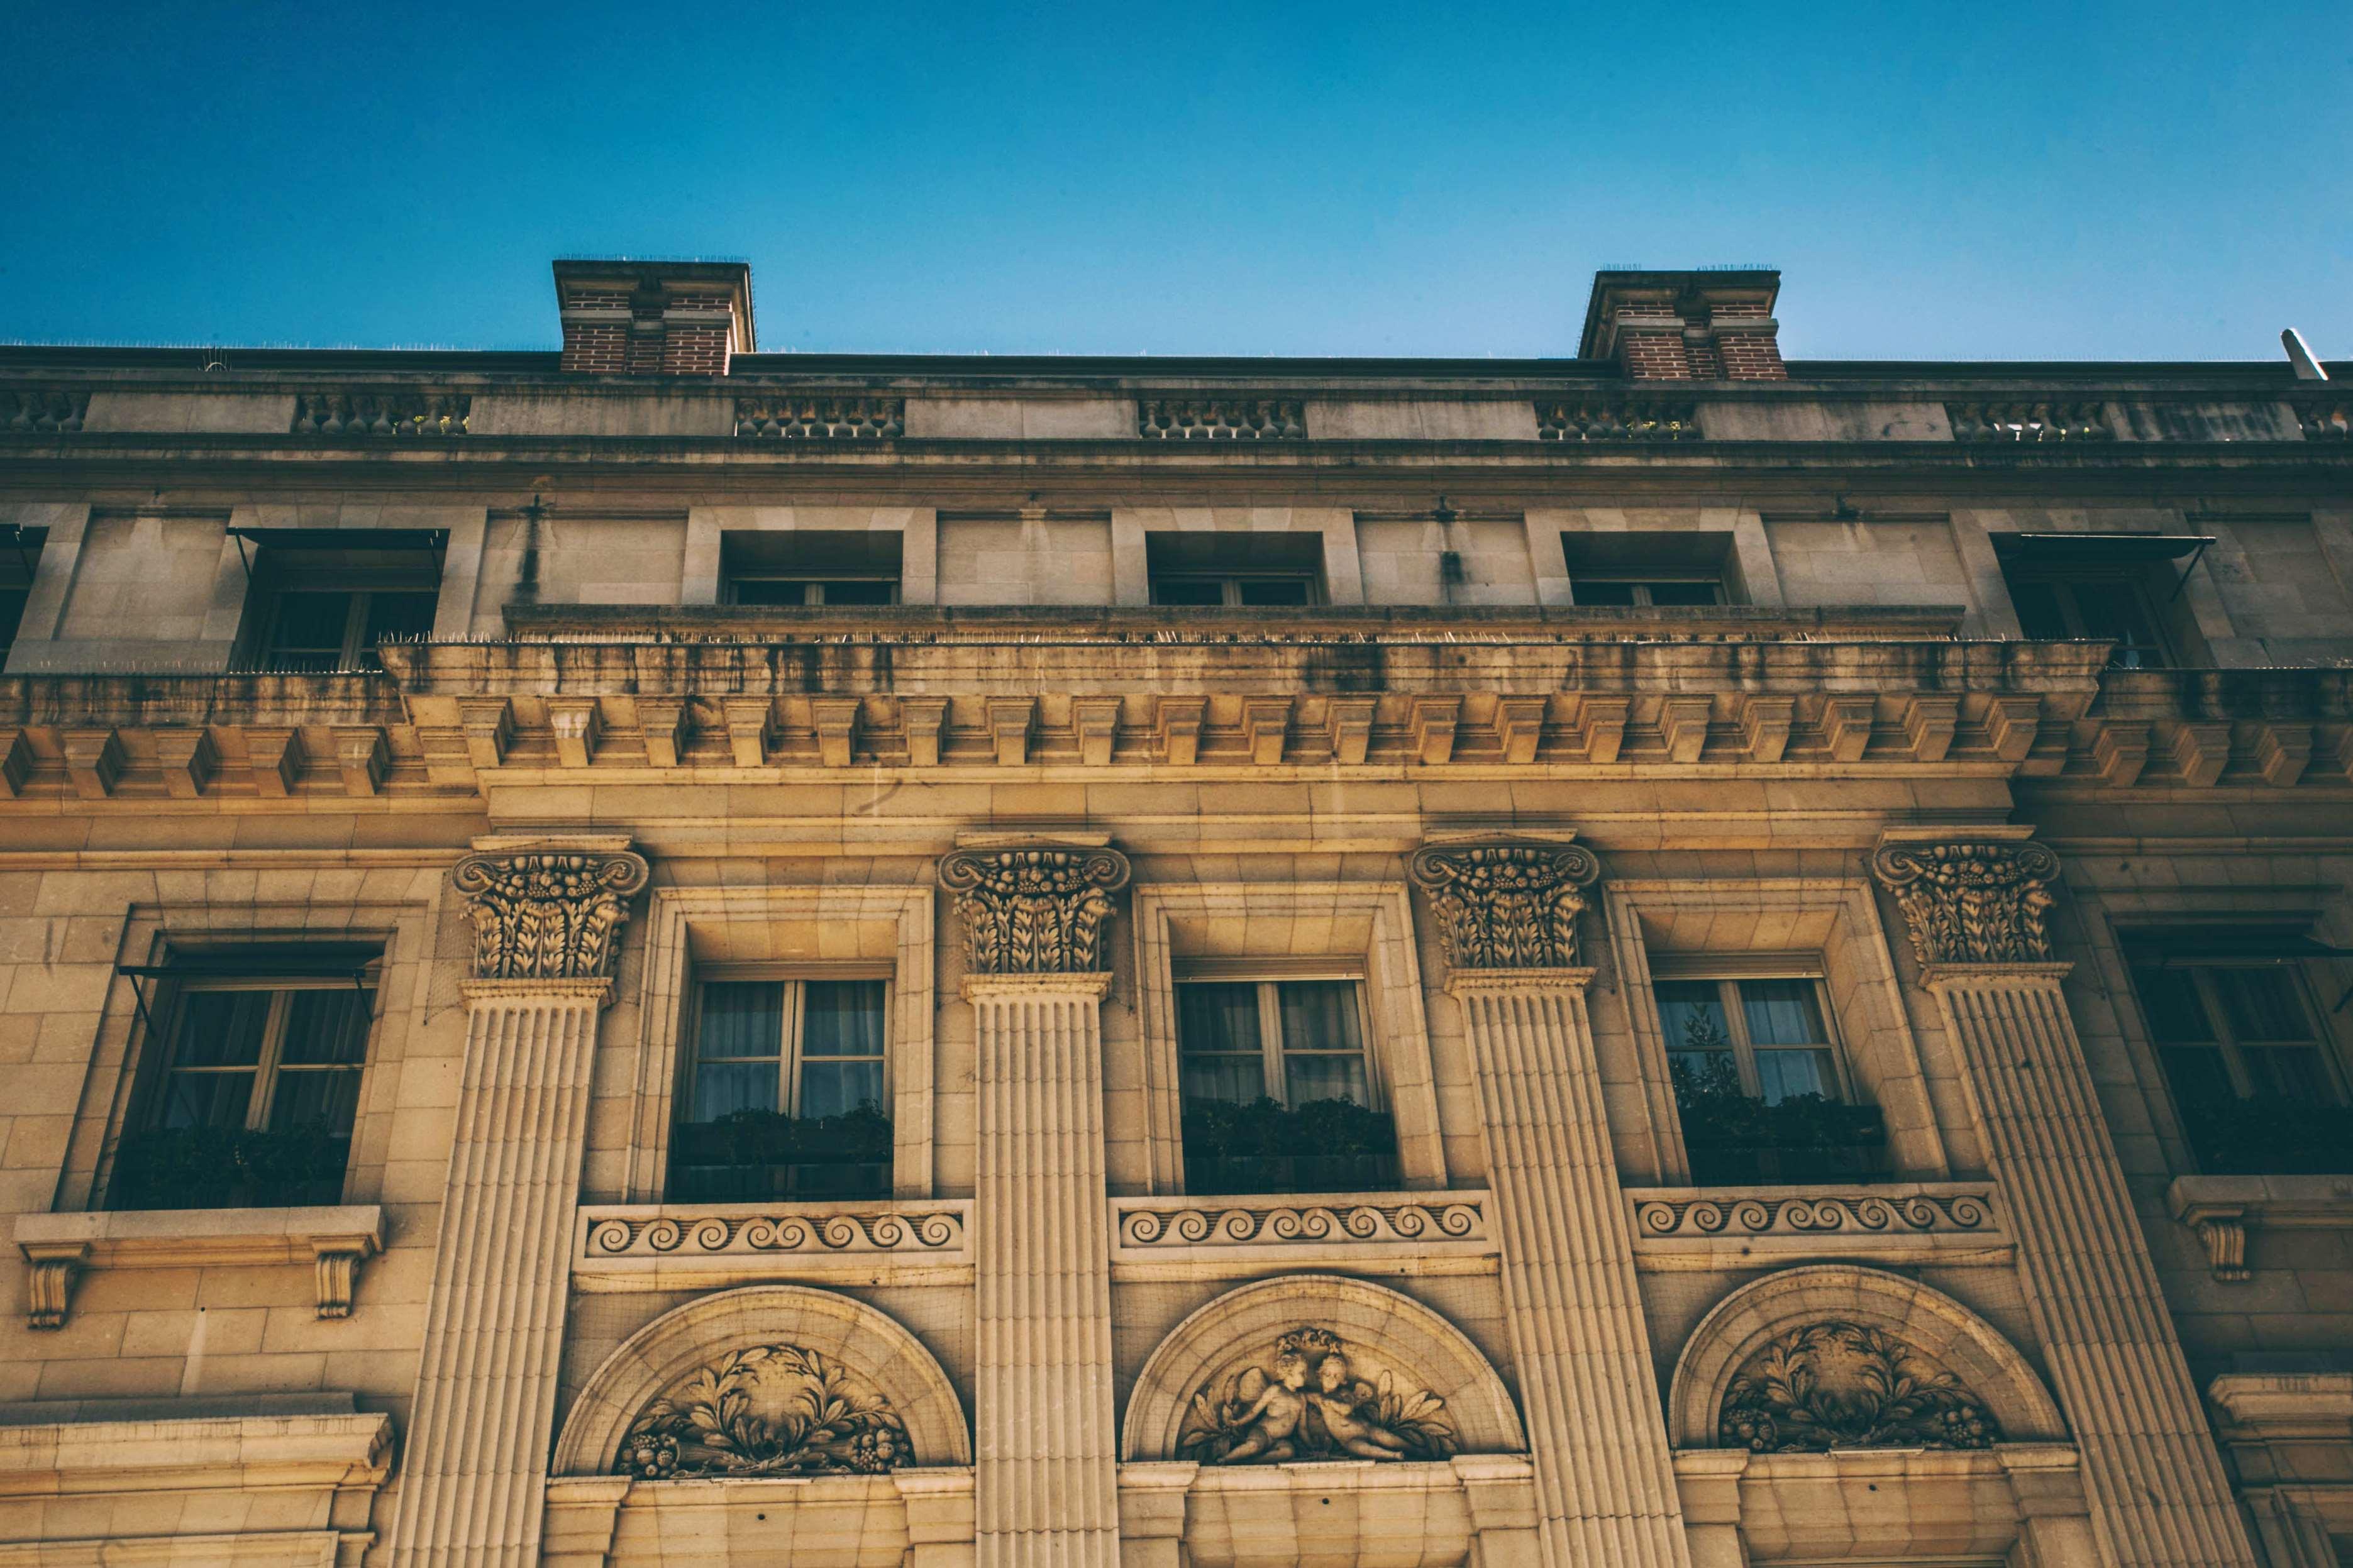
(1278,1092)
(319,628)
(1758,1082)
(20,557)
(255,1098)
(1235,570)
(786,1093)
(2057,604)
(814,567)
(1657,569)
(1648,591)
(2249,1062)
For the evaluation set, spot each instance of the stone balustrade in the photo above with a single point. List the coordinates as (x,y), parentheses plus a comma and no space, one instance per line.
(32,410)
(1599,419)
(381,413)
(1221,419)
(2048,420)
(821,418)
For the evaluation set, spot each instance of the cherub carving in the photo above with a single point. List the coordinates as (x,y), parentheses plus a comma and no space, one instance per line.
(1314,1407)
(1271,1421)
(1337,1400)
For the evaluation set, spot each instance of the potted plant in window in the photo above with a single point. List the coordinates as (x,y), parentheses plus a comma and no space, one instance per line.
(1265,1146)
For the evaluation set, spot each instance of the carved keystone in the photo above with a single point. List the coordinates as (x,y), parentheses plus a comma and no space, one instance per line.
(1972,902)
(1096,722)
(1010,719)
(1601,727)
(2011,723)
(273,754)
(1266,723)
(1519,725)
(1348,725)
(2121,752)
(1034,910)
(1846,727)
(2200,751)
(2283,751)
(925,721)
(363,758)
(488,726)
(751,728)
(93,762)
(15,763)
(1928,726)
(1682,724)
(661,720)
(552,914)
(1506,906)
(48,1287)
(1178,719)
(1434,719)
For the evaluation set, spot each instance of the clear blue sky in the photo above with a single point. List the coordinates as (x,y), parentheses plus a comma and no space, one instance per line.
(2141,180)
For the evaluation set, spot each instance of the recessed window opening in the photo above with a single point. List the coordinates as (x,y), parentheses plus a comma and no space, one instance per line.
(2056,604)
(1650,570)
(1278,1089)
(1235,570)
(1760,1081)
(784,1091)
(2255,1075)
(254,1093)
(810,568)
(1649,591)
(324,598)
(20,559)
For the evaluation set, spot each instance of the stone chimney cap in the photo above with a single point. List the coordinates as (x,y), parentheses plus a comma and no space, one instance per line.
(1671,294)
(680,281)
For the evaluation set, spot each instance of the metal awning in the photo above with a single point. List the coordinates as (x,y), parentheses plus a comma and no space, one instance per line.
(337,962)
(2182,945)
(432,541)
(2108,550)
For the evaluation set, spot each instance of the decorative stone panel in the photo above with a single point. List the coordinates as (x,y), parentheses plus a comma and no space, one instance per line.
(698,1246)
(35,411)
(1612,420)
(2048,420)
(1221,418)
(1506,906)
(821,418)
(1952,1223)
(1835,1385)
(1400,1233)
(1034,910)
(381,413)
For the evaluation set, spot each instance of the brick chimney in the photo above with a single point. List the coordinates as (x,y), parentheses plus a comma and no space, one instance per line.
(654,318)
(1686,326)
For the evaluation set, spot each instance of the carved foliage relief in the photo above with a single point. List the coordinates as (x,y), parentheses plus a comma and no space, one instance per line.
(1972,903)
(548,915)
(1034,911)
(1839,1385)
(1506,906)
(1313,1401)
(768,1410)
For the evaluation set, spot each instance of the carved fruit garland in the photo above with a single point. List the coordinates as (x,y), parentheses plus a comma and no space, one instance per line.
(768,1410)
(1839,1386)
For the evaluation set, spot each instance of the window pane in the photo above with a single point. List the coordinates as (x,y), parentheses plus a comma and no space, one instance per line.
(398,614)
(2177,1015)
(832,1085)
(2291,1072)
(741,1018)
(1273,591)
(1319,1015)
(1217,1036)
(771,591)
(1781,1013)
(2112,607)
(1781,1074)
(842,1018)
(320,1099)
(1684,594)
(2040,615)
(723,1088)
(309,627)
(1323,1076)
(1592,593)
(1691,1014)
(2262,1004)
(206,1100)
(856,593)
(2198,1077)
(326,1026)
(1188,590)
(221,1028)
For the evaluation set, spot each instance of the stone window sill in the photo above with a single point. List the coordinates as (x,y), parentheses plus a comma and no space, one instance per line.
(334,1240)
(2222,1209)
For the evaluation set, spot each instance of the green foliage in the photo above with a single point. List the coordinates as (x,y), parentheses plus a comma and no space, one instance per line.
(1734,1137)
(228,1167)
(766,1138)
(1229,1129)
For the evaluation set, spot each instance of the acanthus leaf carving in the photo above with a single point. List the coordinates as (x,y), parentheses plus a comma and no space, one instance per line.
(1972,902)
(1034,910)
(1841,1385)
(1309,1403)
(548,914)
(766,1410)
(1506,906)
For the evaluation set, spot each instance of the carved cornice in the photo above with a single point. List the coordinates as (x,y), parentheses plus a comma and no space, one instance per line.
(1982,901)
(548,915)
(1034,910)
(1506,906)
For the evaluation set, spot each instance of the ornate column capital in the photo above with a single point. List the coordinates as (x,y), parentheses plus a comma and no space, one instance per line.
(553,913)
(1506,906)
(1972,899)
(1034,910)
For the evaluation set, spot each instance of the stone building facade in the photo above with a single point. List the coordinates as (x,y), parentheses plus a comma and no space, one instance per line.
(662,954)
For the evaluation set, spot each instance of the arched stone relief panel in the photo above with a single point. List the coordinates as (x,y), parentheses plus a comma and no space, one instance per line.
(1316,1367)
(782,1358)
(1838,1354)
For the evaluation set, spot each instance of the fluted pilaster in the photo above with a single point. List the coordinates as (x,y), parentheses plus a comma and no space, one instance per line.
(1975,904)
(2150,1469)
(1046,1484)
(476,1464)
(1605,1475)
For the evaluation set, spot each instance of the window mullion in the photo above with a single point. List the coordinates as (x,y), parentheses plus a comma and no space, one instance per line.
(1270,1037)
(354,628)
(2217,1024)
(1736,1024)
(788,1049)
(265,1066)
